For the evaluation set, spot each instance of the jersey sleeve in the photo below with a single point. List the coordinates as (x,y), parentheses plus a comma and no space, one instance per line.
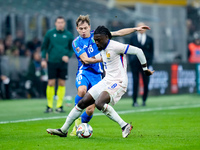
(45,44)
(78,48)
(137,51)
(121,48)
(98,56)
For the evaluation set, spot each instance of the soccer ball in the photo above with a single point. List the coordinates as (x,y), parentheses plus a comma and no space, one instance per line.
(84,130)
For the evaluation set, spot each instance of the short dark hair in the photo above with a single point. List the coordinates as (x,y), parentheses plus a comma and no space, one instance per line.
(103,30)
(59,17)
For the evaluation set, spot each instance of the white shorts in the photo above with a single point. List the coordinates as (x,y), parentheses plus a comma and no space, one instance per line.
(115,89)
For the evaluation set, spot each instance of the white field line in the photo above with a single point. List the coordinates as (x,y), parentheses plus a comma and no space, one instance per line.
(100,114)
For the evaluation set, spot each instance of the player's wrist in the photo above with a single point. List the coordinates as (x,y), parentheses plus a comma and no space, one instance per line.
(144,67)
(135,29)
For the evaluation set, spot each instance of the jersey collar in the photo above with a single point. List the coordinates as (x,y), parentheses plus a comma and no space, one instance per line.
(107,44)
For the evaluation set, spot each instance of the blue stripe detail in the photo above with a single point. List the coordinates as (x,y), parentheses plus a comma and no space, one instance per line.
(107,44)
(126,49)
(122,59)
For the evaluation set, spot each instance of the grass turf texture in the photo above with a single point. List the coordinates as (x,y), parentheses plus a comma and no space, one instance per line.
(167,122)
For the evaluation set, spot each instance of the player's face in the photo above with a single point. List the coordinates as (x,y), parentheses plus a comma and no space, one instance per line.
(101,41)
(83,29)
(60,24)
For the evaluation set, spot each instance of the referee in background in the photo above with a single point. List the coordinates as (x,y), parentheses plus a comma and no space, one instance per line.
(56,51)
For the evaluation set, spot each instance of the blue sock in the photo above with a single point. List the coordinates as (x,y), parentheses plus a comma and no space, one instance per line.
(77,99)
(85,118)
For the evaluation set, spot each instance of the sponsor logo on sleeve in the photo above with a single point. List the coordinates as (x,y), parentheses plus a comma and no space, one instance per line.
(78,49)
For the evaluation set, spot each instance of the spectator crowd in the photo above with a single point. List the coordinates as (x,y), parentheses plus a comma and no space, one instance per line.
(21,74)
(20,68)
(193,32)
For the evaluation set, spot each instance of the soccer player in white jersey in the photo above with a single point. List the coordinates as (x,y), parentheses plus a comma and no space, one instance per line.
(89,74)
(113,85)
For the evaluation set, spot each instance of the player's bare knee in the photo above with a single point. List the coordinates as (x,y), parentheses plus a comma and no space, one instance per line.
(61,82)
(81,92)
(86,101)
(81,104)
(51,82)
(99,105)
(90,110)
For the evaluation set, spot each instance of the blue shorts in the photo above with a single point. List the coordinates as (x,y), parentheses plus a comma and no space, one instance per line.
(87,78)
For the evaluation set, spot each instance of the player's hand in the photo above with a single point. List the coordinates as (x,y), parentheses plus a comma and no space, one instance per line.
(148,72)
(65,59)
(141,28)
(44,64)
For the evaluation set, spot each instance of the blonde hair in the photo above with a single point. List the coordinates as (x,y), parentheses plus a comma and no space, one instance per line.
(83,19)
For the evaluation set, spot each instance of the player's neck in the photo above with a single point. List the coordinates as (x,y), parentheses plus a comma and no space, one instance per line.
(88,36)
(60,30)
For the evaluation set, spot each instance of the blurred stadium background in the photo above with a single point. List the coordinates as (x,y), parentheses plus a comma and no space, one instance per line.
(23,23)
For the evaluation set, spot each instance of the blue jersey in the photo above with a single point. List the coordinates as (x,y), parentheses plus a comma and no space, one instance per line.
(82,45)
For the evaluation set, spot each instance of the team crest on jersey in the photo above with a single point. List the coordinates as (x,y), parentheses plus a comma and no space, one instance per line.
(108,55)
(78,49)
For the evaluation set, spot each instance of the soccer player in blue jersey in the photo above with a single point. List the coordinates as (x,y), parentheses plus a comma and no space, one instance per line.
(89,74)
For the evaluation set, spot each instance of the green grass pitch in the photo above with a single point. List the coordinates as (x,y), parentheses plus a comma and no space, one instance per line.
(166,123)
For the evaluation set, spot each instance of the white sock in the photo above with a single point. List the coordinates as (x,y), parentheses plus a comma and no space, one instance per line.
(73,115)
(113,115)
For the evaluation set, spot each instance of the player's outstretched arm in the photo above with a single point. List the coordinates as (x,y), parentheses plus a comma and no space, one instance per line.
(89,60)
(137,51)
(127,31)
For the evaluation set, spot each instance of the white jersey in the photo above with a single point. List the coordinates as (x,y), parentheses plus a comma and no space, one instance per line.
(114,60)
(115,65)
